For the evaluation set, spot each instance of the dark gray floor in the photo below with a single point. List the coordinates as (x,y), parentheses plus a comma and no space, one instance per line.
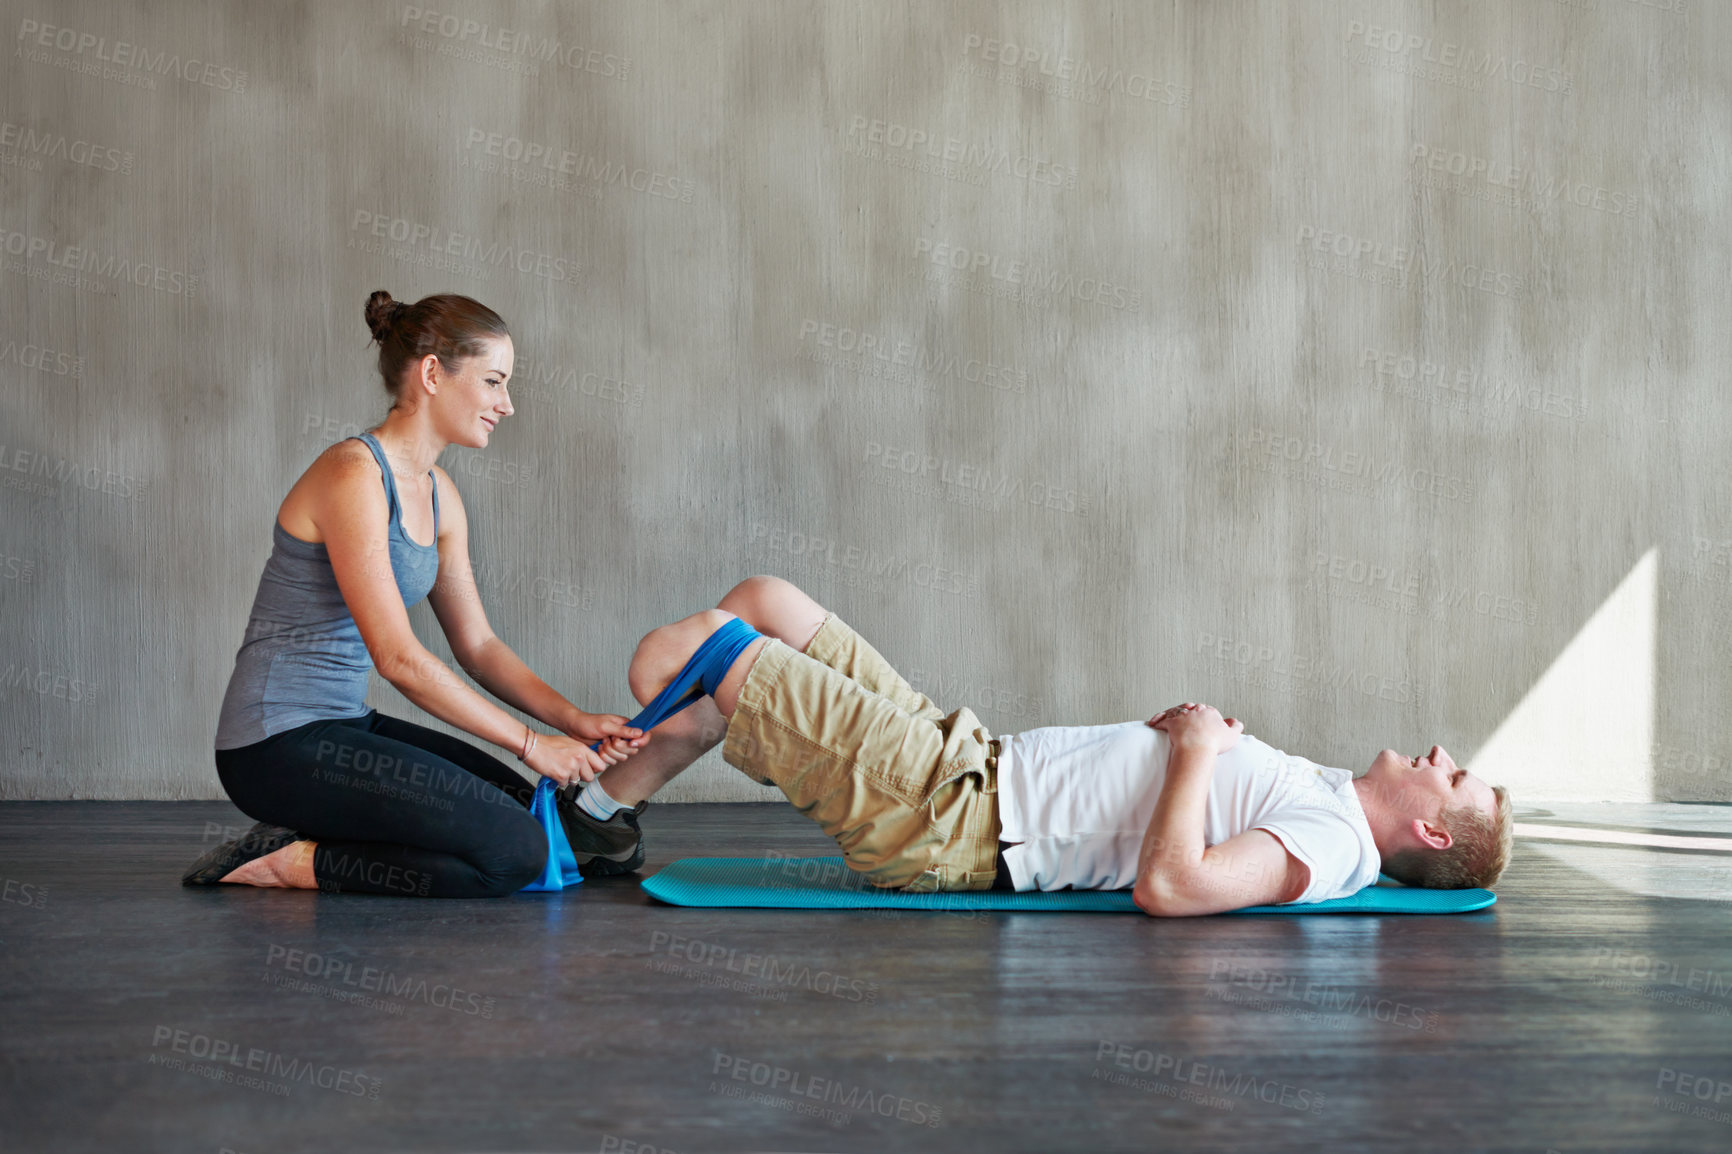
(1579,1014)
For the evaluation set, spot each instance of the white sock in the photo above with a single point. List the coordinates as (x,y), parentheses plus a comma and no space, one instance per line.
(593,800)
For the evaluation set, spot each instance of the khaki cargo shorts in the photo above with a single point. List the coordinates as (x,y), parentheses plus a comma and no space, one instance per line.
(910,794)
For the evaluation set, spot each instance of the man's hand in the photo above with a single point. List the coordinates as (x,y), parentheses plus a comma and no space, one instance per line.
(1196,726)
(1177,874)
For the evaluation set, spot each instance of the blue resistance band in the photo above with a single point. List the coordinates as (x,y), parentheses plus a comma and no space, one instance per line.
(700,677)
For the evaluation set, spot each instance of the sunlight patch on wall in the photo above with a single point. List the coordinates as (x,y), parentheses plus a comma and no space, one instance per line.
(1585,731)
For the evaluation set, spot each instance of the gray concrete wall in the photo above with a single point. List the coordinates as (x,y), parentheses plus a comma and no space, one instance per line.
(1360,367)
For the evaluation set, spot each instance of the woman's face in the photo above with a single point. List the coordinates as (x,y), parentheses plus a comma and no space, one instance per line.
(474,395)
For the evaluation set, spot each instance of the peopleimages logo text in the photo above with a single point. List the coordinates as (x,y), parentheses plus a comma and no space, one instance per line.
(79,259)
(34,34)
(462,246)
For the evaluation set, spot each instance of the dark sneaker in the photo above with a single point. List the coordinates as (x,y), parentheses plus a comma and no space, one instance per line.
(230,856)
(603,849)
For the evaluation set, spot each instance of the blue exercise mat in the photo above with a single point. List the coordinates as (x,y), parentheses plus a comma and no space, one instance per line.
(701,675)
(826,883)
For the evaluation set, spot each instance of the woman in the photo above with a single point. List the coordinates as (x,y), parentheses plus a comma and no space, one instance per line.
(381,805)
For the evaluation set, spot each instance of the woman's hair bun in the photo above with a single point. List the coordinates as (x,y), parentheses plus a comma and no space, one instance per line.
(381,311)
(444,325)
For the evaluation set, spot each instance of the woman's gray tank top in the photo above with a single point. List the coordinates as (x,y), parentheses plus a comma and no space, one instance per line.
(302,658)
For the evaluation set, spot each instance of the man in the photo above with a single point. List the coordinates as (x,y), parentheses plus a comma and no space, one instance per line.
(1187,811)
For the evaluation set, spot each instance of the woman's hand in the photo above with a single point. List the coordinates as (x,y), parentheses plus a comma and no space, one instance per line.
(621,739)
(563,760)
(1200,726)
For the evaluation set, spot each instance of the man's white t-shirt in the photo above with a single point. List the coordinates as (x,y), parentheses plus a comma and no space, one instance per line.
(1079,800)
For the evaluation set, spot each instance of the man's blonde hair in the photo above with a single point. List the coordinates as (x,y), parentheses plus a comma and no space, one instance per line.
(1478,853)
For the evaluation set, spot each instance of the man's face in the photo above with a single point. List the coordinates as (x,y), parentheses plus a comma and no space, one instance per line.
(1426,785)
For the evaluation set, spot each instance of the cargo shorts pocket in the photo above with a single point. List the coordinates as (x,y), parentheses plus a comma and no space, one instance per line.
(943,878)
(930,881)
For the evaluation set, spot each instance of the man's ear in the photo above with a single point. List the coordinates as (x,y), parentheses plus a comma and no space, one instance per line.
(1431,835)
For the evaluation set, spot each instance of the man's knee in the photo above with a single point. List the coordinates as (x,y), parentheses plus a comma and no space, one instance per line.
(756,597)
(641,675)
(666,648)
(775,608)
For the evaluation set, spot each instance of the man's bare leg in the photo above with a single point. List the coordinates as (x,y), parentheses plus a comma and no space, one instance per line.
(664,651)
(775,608)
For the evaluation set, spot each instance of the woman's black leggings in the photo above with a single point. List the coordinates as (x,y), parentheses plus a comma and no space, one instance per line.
(395,807)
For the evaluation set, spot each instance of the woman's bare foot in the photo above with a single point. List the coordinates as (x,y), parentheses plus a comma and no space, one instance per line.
(288,868)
